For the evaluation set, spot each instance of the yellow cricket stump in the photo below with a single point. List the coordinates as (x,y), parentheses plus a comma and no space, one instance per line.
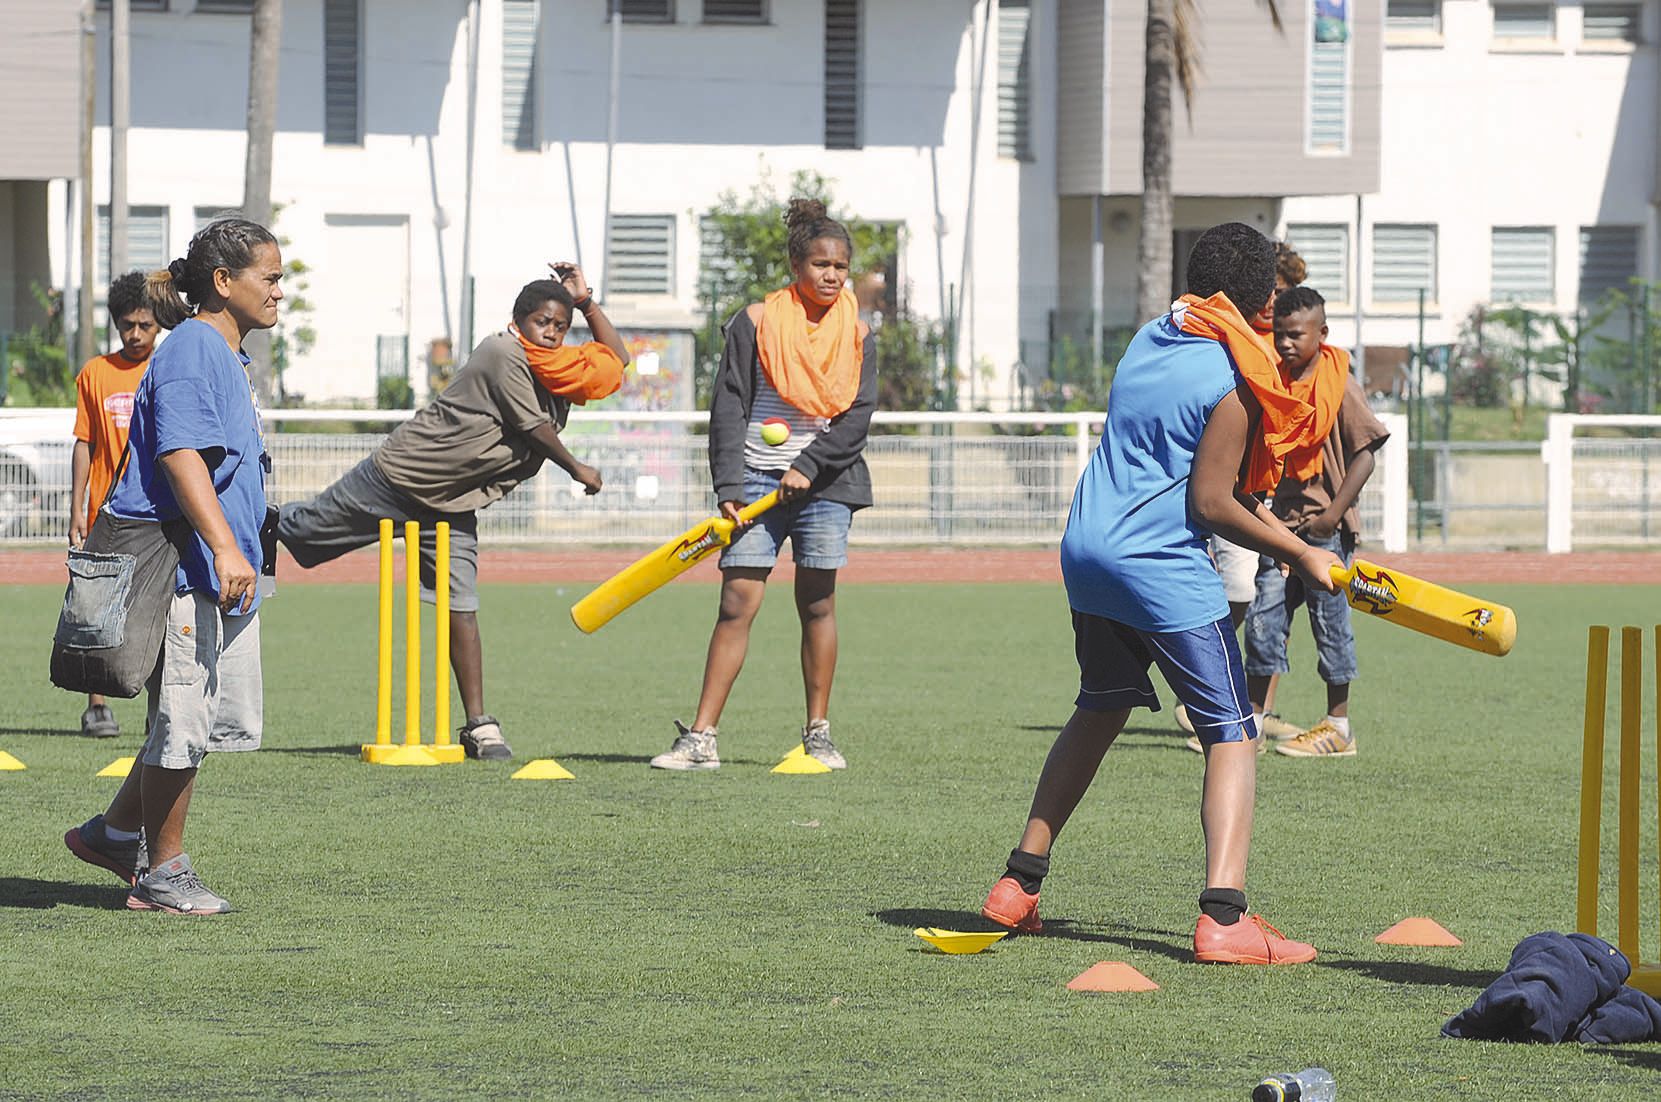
(1645,976)
(442,751)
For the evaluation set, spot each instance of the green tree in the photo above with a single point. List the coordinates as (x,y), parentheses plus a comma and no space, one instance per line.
(746,256)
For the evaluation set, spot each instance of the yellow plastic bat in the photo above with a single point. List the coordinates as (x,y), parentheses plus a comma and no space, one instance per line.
(650,572)
(1427,608)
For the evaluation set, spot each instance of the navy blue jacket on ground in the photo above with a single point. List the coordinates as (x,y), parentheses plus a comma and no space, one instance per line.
(1561,988)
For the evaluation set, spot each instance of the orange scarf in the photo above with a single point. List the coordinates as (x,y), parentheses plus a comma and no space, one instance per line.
(1286,418)
(582,374)
(814,369)
(1322,386)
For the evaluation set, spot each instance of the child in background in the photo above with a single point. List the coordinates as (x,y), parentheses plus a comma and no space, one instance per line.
(1316,499)
(803,358)
(1196,401)
(103,410)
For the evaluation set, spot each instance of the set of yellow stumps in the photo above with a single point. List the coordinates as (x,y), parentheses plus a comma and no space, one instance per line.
(412,751)
(1645,977)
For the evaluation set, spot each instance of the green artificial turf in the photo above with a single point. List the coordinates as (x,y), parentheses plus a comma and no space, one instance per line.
(449,932)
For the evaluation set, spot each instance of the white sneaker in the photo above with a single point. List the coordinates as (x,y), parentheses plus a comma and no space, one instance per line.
(691,750)
(816,743)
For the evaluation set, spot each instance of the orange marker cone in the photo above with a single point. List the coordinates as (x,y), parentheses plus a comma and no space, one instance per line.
(1417,931)
(1111,975)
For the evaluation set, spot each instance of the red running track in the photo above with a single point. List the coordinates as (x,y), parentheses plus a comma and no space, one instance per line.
(578,565)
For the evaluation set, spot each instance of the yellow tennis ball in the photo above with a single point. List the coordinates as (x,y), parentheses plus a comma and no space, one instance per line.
(775,431)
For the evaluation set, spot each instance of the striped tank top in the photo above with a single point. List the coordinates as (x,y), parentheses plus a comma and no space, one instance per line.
(768,405)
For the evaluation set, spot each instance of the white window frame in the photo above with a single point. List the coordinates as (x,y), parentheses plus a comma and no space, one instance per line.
(1526,40)
(1397,34)
(1495,294)
(1432,284)
(514,132)
(613,287)
(1299,234)
(1342,149)
(1014,92)
(101,244)
(856,139)
(1622,44)
(650,20)
(357,78)
(1634,233)
(762,19)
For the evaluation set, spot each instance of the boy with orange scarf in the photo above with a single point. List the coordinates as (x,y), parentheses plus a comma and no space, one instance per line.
(1197,399)
(491,429)
(1316,499)
(792,406)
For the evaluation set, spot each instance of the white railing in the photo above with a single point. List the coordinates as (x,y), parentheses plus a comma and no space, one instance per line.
(1603,480)
(963,479)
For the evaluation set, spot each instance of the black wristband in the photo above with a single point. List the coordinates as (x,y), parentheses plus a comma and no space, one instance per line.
(585,303)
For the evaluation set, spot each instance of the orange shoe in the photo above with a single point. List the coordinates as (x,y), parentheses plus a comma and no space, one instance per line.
(1249,941)
(1007,905)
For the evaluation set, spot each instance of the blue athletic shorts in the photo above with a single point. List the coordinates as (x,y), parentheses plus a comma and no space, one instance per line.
(1201,665)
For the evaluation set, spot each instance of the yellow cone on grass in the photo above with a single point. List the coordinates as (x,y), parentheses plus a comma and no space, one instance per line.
(9,762)
(800,761)
(957,942)
(120,767)
(544,769)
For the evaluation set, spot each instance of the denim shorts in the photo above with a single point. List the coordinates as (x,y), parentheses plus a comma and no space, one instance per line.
(817,529)
(1202,666)
(1269,620)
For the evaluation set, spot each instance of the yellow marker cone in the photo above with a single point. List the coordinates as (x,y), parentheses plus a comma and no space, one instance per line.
(9,762)
(799,761)
(544,769)
(951,941)
(120,767)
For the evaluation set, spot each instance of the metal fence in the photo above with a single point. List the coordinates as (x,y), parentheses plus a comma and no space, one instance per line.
(955,479)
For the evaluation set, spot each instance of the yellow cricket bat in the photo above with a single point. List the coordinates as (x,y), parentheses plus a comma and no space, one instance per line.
(1427,608)
(649,572)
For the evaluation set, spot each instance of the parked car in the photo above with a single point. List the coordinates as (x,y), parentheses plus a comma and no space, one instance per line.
(36,458)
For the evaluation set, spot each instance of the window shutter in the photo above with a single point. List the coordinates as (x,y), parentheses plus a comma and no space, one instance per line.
(1404,262)
(1610,23)
(139,5)
(519,73)
(146,243)
(735,11)
(1608,259)
(842,74)
(644,11)
(1522,264)
(1523,21)
(226,7)
(342,39)
(1014,68)
(1329,97)
(1413,15)
(1326,255)
(717,272)
(202,216)
(641,257)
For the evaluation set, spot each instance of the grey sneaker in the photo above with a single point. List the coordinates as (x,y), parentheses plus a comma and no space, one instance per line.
(91,843)
(482,739)
(99,722)
(816,743)
(691,750)
(176,889)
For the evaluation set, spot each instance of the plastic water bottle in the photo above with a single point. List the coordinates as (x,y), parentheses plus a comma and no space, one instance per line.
(1308,1085)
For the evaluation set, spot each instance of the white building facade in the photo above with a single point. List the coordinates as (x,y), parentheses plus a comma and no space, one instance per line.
(1467,145)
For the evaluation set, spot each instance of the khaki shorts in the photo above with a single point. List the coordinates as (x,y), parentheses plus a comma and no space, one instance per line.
(207,693)
(1238,566)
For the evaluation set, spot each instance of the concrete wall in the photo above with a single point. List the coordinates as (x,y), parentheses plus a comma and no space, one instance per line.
(40,80)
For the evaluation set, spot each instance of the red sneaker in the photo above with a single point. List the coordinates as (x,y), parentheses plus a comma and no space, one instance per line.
(1249,941)
(1007,905)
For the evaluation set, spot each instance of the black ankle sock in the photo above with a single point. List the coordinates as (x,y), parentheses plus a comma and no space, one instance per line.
(1028,870)
(1224,906)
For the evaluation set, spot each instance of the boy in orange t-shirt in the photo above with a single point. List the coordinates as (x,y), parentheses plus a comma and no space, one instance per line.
(103,408)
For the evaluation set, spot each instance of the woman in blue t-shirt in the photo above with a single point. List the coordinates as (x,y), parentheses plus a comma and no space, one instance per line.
(195,451)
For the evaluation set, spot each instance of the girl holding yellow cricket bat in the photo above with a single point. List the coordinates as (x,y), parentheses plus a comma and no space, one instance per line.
(792,406)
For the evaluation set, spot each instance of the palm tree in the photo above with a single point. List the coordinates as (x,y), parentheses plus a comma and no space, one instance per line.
(1171,52)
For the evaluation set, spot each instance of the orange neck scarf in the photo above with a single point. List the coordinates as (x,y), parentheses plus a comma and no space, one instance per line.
(814,369)
(1322,386)
(1286,418)
(582,374)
